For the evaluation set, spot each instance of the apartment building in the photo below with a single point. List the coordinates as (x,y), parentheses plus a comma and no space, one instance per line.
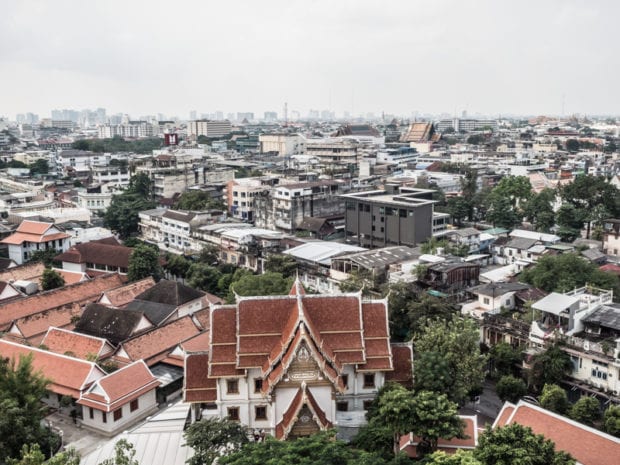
(611,237)
(466,124)
(284,207)
(283,144)
(242,192)
(208,128)
(333,151)
(394,216)
(131,129)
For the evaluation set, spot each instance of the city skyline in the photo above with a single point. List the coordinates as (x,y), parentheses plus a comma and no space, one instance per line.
(141,58)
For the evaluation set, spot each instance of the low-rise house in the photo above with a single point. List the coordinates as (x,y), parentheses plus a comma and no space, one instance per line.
(121,296)
(80,293)
(167,301)
(63,341)
(450,277)
(120,399)
(493,298)
(32,236)
(517,249)
(611,237)
(409,442)
(587,445)
(68,376)
(96,257)
(112,324)
(466,238)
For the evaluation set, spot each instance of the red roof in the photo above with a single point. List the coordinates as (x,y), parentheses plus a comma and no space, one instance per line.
(67,375)
(100,253)
(84,292)
(121,296)
(610,268)
(80,345)
(33,231)
(199,387)
(33,327)
(409,442)
(587,445)
(303,396)
(120,387)
(33,227)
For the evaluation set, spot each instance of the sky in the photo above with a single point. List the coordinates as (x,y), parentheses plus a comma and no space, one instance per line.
(139,57)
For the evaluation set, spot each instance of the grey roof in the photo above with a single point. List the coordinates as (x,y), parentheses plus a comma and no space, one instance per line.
(466,232)
(179,215)
(594,255)
(555,303)
(384,257)
(170,293)
(154,311)
(312,224)
(497,289)
(606,315)
(521,243)
(109,323)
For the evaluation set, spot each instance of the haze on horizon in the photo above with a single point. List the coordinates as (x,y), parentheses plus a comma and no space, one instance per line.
(148,57)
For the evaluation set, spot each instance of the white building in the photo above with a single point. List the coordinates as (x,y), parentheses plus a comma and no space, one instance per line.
(208,128)
(33,236)
(283,144)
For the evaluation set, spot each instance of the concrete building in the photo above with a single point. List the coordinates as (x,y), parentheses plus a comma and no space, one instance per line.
(465,124)
(611,237)
(286,206)
(32,236)
(241,194)
(283,144)
(395,216)
(208,128)
(333,151)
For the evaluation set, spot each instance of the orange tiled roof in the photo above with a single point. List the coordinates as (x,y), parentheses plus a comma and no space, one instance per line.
(120,387)
(33,227)
(409,442)
(87,291)
(303,396)
(80,345)
(27,272)
(587,445)
(72,277)
(154,345)
(198,386)
(33,327)
(67,375)
(121,296)
(402,356)
(19,238)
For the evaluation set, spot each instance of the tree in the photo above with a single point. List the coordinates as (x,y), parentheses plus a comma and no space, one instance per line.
(396,410)
(44,256)
(212,438)
(507,199)
(432,372)
(280,263)
(611,420)
(549,367)
(461,457)
(318,449)
(435,417)
(572,145)
(504,359)
(501,212)
(203,276)
(539,210)
(32,455)
(124,453)
(510,389)
(586,410)
(426,307)
(554,398)
(144,262)
(21,411)
(264,284)
(457,341)
(561,273)
(122,216)
(198,200)
(517,444)
(586,193)
(51,279)
(459,208)
(475,139)
(40,166)
(177,265)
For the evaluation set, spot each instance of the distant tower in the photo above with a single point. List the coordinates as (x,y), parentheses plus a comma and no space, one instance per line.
(285,113)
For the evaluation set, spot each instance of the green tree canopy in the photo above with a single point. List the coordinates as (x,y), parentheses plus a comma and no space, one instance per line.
(504,359)
(539,210)
(51,279)
(586,410)
(177,265)
(461,457)
(21,411)
(144,262)
(510,389)
(516,444)
(457,340)
(318,449)
(549,367)
(124,454)
(44,256)
(198,200)
(122,216)
(203,276)
(554,398)
(611,420)
(212,438)
(118,144)
(567,271)
(265,284)
(280,263)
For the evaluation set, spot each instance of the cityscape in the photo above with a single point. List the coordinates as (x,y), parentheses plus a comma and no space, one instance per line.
(309,233)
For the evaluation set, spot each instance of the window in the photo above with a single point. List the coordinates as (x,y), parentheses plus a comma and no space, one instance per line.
(367,404)
(232,386)
(258,385)
(104,417)
(91,413)
(261,413)
(369,381)
(118,414)
(133,405)
(486,301)
(345,380)
(402,213)
(233,413)
(342,406)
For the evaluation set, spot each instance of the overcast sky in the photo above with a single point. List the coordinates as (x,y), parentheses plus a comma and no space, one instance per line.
(148,57)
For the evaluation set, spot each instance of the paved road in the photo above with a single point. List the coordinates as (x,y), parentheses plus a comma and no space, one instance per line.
(487,408)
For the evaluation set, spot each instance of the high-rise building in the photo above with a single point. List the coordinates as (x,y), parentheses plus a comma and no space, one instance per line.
(208,128)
